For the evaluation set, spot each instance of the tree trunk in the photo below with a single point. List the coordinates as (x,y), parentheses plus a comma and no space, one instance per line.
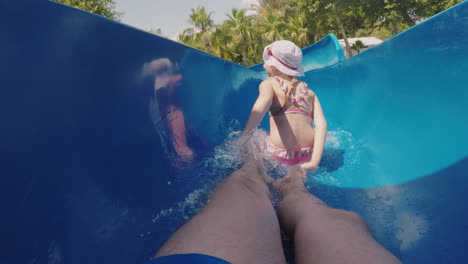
(397,25)
(342,31)
(243,50)
(244,55)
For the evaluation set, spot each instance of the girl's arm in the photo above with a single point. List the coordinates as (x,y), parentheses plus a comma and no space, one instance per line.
(260,107)
(320,137)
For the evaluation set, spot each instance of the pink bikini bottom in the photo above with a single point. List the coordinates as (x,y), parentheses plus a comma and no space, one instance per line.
(290,156)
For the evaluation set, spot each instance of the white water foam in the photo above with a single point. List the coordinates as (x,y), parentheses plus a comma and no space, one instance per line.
(228,157)
(408,227)
(341,154)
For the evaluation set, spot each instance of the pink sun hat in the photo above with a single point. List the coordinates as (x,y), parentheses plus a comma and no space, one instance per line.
(285,56)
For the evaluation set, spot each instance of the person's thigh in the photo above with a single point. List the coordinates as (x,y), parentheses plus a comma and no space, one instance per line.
(238,224)
(323,235)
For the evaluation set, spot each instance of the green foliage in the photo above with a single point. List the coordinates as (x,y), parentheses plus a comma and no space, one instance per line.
(358,46)
(377,31)
(156,31)
(398,15)
(242,37)
(104,8)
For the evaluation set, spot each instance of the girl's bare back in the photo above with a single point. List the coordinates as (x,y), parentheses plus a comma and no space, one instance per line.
(291,131)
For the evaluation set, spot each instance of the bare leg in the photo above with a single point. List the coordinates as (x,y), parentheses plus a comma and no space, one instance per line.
(238,224)
(322,234)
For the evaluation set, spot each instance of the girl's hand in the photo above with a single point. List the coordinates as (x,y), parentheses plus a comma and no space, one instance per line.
(309,167)
(242,143)
(185,153)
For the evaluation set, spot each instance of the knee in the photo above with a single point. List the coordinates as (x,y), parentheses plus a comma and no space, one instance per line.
(250,183)
(256,187)
(348,217)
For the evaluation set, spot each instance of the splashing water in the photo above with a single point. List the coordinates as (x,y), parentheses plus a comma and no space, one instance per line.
(341,155)
(227,157)
(257,148)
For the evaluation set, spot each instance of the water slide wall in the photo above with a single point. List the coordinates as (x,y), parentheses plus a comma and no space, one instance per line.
(95,132)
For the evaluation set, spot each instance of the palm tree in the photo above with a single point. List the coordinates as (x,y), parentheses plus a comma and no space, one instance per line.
(280,8)
(273,28)
(240,25)
(241,38)
(199,34)
(200,20)
(219,40)
(358,46)
(298,31)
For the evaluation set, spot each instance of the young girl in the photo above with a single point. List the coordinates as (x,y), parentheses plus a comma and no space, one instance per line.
(293,106)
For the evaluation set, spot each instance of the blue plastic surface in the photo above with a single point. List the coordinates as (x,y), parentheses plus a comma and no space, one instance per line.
(188,258)
(88,168)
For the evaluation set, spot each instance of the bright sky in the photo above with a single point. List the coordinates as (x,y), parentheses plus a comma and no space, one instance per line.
(172,15)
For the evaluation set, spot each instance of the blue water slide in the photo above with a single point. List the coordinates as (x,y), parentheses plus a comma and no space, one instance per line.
(112,137)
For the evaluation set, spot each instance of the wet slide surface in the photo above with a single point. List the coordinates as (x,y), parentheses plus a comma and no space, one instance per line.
(112,138)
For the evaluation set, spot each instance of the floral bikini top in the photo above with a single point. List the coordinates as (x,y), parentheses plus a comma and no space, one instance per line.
(295,103)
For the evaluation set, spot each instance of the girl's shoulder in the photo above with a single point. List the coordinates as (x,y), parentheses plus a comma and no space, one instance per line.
(303,84)
(274,82)
(274,79)
(304,88)
(270,81)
